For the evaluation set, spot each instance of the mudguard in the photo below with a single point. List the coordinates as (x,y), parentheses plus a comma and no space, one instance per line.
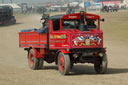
(64,51)
(37,53)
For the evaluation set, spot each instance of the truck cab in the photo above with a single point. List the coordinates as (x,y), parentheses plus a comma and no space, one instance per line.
(69,32)
(69,39)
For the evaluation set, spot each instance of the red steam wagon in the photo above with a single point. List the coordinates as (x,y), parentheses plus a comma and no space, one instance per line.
(66,40)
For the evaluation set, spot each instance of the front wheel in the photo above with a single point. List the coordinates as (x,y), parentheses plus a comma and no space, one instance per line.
(101,64)
(63,63)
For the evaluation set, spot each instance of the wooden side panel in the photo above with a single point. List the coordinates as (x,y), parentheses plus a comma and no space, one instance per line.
(32,39)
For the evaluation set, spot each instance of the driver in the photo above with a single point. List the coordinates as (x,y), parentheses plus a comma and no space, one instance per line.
(83,21)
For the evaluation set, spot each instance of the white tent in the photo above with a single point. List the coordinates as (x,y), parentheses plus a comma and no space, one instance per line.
(125,3)
(15,7)
(12,5)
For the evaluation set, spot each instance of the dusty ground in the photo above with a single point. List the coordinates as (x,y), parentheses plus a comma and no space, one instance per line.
(14,68)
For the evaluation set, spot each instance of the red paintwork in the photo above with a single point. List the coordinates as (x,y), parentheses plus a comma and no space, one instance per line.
(89,40)
(64,51)
(77,16)
(36,40)
(70,35)
(63,39)
(30,59)
(61,63)
(38,53)
(32,39)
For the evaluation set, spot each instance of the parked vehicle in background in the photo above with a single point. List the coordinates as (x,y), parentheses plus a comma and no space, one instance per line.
(6,15)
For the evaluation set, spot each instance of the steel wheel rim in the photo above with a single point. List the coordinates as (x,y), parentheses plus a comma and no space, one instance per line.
(31,61)
(61,63)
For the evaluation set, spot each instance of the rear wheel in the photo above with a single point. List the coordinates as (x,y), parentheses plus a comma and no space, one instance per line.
(63,63)
(34,63)
(101,64)
(41,63)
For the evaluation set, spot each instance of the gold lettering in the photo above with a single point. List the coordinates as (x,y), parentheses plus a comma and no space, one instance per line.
(58,36)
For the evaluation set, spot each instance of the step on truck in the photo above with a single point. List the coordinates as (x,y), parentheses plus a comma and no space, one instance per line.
(66,40)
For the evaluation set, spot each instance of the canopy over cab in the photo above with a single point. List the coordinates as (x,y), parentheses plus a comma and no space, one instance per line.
(82,21)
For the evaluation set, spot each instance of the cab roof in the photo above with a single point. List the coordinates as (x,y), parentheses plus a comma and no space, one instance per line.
(74,16)
(56,16)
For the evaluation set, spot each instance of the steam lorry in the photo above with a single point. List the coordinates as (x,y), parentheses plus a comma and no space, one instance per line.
(66,40)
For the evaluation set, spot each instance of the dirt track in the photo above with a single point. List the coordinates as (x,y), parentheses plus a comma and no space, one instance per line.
(14,68)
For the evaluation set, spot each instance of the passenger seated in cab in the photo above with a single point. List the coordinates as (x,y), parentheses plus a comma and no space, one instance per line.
(91,24)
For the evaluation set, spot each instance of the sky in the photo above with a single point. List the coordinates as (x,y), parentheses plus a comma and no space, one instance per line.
(23,1)
(33,1)
(29,2)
